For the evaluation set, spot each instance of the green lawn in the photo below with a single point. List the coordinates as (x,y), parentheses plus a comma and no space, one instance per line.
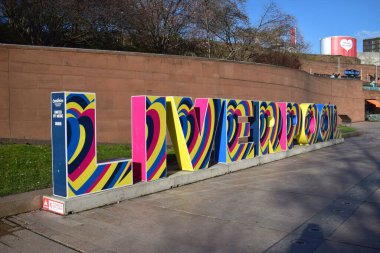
(346,129)
(28,167)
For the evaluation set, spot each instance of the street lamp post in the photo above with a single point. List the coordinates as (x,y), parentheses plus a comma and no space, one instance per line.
(338,64)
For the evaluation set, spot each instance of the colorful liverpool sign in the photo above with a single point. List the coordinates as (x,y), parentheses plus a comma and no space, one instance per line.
(76,170)
(203,131)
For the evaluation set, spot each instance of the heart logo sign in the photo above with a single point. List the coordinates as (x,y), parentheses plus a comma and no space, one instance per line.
(346,44)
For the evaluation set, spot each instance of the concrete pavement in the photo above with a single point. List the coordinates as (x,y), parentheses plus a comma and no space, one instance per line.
(324,201)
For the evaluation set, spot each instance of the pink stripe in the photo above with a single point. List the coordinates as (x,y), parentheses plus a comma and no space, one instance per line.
(196,132)
(312,124)
(84,165)
(201,105)
(156,131)
(158,167)
(202,149)
(138,134)
(99,178)
(266,137)
(283,137)
(241,150)
(90,113)
(75,110)
(250,113)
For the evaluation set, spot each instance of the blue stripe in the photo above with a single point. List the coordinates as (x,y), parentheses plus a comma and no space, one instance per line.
(158,159)
(117,175)
(90,181)
(74,139)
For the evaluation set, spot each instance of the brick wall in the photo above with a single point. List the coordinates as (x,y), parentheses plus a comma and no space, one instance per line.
(28,75)
(369,94)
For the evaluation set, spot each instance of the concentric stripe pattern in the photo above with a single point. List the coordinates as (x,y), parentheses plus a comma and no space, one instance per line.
(156,137)
(270,127)
(324,128)
(313,136)
(84,174)
(309,124)
(235,130)
(199,132)
(293,120)
(335,129)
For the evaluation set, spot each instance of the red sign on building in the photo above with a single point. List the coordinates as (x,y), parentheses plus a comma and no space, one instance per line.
(343,46)
(339,45)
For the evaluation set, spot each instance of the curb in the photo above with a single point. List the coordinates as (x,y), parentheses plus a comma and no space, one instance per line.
(90,201)
(23,202)
(351,134)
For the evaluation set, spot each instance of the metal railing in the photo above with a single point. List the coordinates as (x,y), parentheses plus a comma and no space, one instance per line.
(370,87)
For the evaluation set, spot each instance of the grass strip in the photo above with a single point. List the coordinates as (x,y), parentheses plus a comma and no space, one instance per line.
(347,129)
(25,167)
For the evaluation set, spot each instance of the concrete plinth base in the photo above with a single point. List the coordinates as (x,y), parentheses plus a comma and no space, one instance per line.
(76,204)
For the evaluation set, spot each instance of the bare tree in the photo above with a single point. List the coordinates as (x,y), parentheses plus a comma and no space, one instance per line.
(273,29)
(219,23)
(157,25)
(211,28)
(78,23)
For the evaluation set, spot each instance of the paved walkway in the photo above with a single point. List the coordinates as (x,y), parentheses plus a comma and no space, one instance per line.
(324,201)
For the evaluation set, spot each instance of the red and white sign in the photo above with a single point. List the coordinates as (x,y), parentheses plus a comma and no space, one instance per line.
(339,45)
(53,205)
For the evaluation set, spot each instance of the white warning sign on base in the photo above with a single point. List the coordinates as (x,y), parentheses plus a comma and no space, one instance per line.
(53,205)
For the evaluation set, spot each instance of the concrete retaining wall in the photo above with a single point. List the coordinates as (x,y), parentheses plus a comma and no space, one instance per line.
(371,94)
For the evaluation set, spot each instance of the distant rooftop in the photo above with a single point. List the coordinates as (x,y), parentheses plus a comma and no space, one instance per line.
(372,38)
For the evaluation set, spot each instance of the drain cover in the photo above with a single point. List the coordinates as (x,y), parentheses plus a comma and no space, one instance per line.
(315,229)
(299,242)
(337,210)
(347,203)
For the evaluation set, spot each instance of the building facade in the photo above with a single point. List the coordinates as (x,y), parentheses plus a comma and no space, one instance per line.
(370,58)
(371,45)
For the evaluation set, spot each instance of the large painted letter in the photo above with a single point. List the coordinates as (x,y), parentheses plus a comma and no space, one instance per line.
(335,132)
(324,122)
(193,128)
(149,138)
(242,129)
(75,167)
(309,124)
(293,121)
(272,127)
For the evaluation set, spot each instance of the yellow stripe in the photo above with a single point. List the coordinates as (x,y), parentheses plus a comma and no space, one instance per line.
(176,135)
(162,135)
(82,138)
(189,131)
(87,173)
(302,138)
(105,178)
(73,105)
(159,171)
(127,180)
(210,140)
(242,126)
(70,193)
